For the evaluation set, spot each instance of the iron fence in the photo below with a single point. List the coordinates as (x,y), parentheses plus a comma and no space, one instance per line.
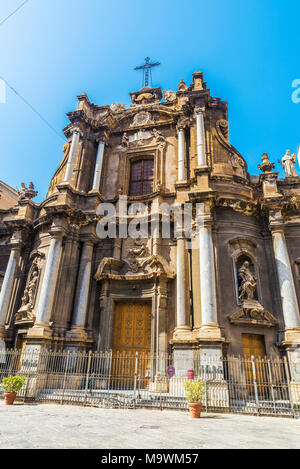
(259,386)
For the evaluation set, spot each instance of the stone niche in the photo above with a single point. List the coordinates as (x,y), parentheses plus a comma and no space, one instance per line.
(247,288)
(25,314)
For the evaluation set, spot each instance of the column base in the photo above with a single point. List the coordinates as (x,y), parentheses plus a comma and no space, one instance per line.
(182,334)
(40,330)
(94,192)
(201,168)
(210,333)
(183,183)
(292,336)
(77,332)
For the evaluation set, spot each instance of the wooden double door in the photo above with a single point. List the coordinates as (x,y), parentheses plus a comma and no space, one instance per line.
(131,344)
(255,363)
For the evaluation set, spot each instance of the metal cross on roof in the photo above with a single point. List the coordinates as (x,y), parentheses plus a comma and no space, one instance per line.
(147,70)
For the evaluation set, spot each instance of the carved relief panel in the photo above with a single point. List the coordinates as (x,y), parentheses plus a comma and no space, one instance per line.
(135,251)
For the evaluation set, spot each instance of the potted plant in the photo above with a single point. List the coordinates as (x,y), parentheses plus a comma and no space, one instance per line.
(11,385)
(194,391)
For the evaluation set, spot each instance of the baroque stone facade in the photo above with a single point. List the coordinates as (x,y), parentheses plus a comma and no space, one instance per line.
(236,276)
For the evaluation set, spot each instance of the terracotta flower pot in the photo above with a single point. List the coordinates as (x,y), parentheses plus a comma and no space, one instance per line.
(195,409)
(9,398)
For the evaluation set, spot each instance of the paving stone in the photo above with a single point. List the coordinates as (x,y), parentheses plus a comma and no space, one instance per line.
(55,426)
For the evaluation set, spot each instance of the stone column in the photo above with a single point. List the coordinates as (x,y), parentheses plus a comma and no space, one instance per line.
(67,282)
(82,294)
(8,282)
(46,299)
(71,159)
(181,151)
(182,323)
(98,166)
(201,154)
(209,322)
(289,301)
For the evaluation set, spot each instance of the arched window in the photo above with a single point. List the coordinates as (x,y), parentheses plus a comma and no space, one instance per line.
(141,177)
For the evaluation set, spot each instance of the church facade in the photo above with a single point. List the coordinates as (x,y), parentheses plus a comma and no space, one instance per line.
(227,284)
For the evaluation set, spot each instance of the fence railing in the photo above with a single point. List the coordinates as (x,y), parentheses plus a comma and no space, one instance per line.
(127,379)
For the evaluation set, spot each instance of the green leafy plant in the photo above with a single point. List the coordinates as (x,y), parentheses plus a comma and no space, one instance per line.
(13,383)
(194,390)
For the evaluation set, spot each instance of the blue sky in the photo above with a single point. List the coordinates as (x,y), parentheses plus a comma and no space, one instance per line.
(53,50)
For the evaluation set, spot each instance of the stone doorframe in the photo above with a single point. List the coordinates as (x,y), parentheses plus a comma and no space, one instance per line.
(154,289)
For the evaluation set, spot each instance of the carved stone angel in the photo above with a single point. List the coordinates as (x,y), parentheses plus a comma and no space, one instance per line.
(139,250)
(125,140)
(158,136)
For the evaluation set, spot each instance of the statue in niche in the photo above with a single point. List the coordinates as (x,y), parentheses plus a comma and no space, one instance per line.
(251,311)
(247,288)
(24,313)
(30,290)
(288,164)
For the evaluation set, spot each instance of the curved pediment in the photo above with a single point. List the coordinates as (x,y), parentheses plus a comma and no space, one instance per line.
(146,115)
(108,266)
(153,266)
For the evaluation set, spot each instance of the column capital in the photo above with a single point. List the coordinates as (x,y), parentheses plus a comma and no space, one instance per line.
(57,232)
(179,127)
(75,129)
(203,214)
(276,221)
(277,227)
(199,110)
(89,241)
(182,124)
(16,241)
(101,139)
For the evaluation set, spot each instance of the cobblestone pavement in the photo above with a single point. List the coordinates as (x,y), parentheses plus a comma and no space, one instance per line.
(54,426)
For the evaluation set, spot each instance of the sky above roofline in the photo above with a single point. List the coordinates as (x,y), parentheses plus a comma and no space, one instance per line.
(53,51)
